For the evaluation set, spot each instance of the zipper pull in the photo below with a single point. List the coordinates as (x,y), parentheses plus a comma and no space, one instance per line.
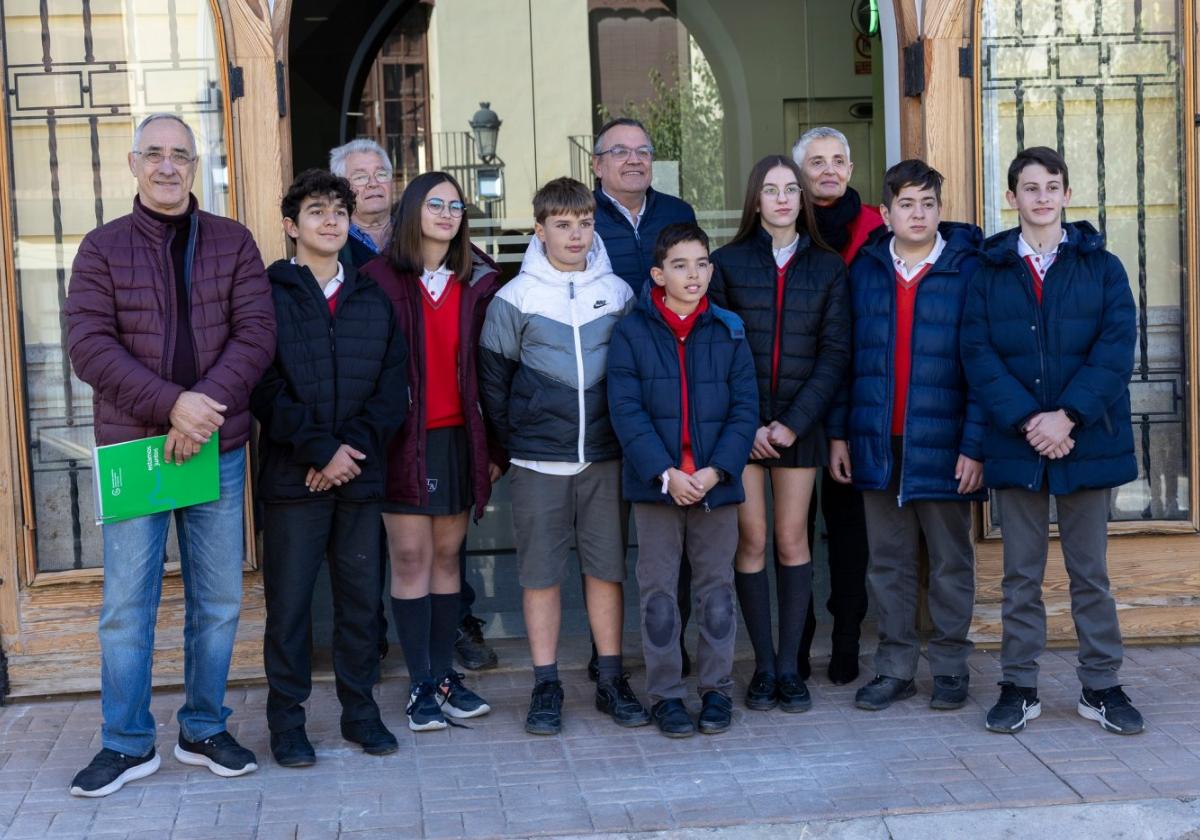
(571,286)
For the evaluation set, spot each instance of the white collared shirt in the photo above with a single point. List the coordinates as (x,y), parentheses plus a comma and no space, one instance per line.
(435,281)
(331,288)
(1041,262)
(629,217)
(782,255)
(906,273)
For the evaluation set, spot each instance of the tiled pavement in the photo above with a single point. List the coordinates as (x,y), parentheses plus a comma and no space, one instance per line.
(494,780)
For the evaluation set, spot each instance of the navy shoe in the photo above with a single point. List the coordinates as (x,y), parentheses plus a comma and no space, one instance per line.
(716,713)
(949,693)
(110,770)
(762,694)
(291,748)
(545,709)
(617,700)
(882,692)
(672,719)
(371,735)
(219,753)
(1016,707)
(1110,707)
(793,694)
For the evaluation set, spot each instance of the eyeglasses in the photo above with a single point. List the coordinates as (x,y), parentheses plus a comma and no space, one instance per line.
(361,179)
(154,158)
(621,153)
(437,205)
(790,191)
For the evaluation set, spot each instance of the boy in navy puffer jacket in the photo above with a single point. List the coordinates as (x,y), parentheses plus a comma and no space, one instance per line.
(914,437)
(1048,337)
(683,397)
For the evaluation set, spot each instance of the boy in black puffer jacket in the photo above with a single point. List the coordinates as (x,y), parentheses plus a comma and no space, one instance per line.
(684,404)
(334,395)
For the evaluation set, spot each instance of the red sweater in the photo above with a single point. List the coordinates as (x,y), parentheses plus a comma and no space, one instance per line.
(780,281)
(1037,278)
(681,327)
(906,299)
(867,220)
(443,403)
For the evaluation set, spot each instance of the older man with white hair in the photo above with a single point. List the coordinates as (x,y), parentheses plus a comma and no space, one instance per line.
(845,223)
(366,165)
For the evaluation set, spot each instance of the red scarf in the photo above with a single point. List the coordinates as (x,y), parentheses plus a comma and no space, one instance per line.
(681,328)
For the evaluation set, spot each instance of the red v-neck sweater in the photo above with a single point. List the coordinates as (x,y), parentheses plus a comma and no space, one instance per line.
(681,327)
(906,299)
(443,402)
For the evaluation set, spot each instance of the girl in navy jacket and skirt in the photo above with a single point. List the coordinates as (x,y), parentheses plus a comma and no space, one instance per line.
(790,291)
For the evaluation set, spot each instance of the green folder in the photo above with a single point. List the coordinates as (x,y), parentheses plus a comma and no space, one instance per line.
(133,479)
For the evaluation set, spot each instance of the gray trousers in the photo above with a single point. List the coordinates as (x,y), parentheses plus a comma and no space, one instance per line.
(893,533)
(1083,529)
(710,540)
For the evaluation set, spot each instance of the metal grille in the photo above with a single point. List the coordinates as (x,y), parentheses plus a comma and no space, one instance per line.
(70,121)
(1063,74)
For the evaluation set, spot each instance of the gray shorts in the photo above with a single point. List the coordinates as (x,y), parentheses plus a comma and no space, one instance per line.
(551,513)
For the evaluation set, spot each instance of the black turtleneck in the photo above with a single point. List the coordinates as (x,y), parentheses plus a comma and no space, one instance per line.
(183,366)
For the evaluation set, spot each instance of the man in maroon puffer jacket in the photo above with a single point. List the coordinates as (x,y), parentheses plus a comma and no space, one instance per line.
(170,321)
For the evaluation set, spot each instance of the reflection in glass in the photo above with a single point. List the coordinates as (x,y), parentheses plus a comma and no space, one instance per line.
(82,77)
(1102,82)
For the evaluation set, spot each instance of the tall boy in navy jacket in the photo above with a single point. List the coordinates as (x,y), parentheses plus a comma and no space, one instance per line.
(913,435)
(684,403)
(328,404)
(1047,341)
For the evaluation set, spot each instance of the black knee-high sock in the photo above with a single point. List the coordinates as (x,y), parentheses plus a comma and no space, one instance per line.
(443,628)
(795,588)
(754,597)
(412,617)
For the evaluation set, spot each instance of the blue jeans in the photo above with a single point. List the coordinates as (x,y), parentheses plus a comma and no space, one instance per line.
(211,549)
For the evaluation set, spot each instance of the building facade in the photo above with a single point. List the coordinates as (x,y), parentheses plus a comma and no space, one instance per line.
(270,88)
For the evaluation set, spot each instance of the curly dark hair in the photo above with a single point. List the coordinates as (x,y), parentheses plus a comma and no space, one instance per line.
(316,182)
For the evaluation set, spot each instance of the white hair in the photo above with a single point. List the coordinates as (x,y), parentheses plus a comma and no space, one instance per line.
(820,132)
(338,155)
(162,115)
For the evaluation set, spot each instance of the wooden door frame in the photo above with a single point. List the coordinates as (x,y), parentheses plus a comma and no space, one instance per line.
(46,619)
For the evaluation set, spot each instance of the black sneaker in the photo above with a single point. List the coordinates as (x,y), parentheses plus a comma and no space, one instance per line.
(1014,709)
(672,719)
(882,692)
(761,695)
(716,713)
(545,709)
(617,700)
(110,770)
(458,701)
(219,753)
(424,712)
(291,748)
(1110,707)
(793,694)
(949,692)
(843,664)
(474,653)
(371,735)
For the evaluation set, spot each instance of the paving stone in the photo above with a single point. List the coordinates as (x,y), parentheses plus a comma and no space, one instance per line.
(494,780)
